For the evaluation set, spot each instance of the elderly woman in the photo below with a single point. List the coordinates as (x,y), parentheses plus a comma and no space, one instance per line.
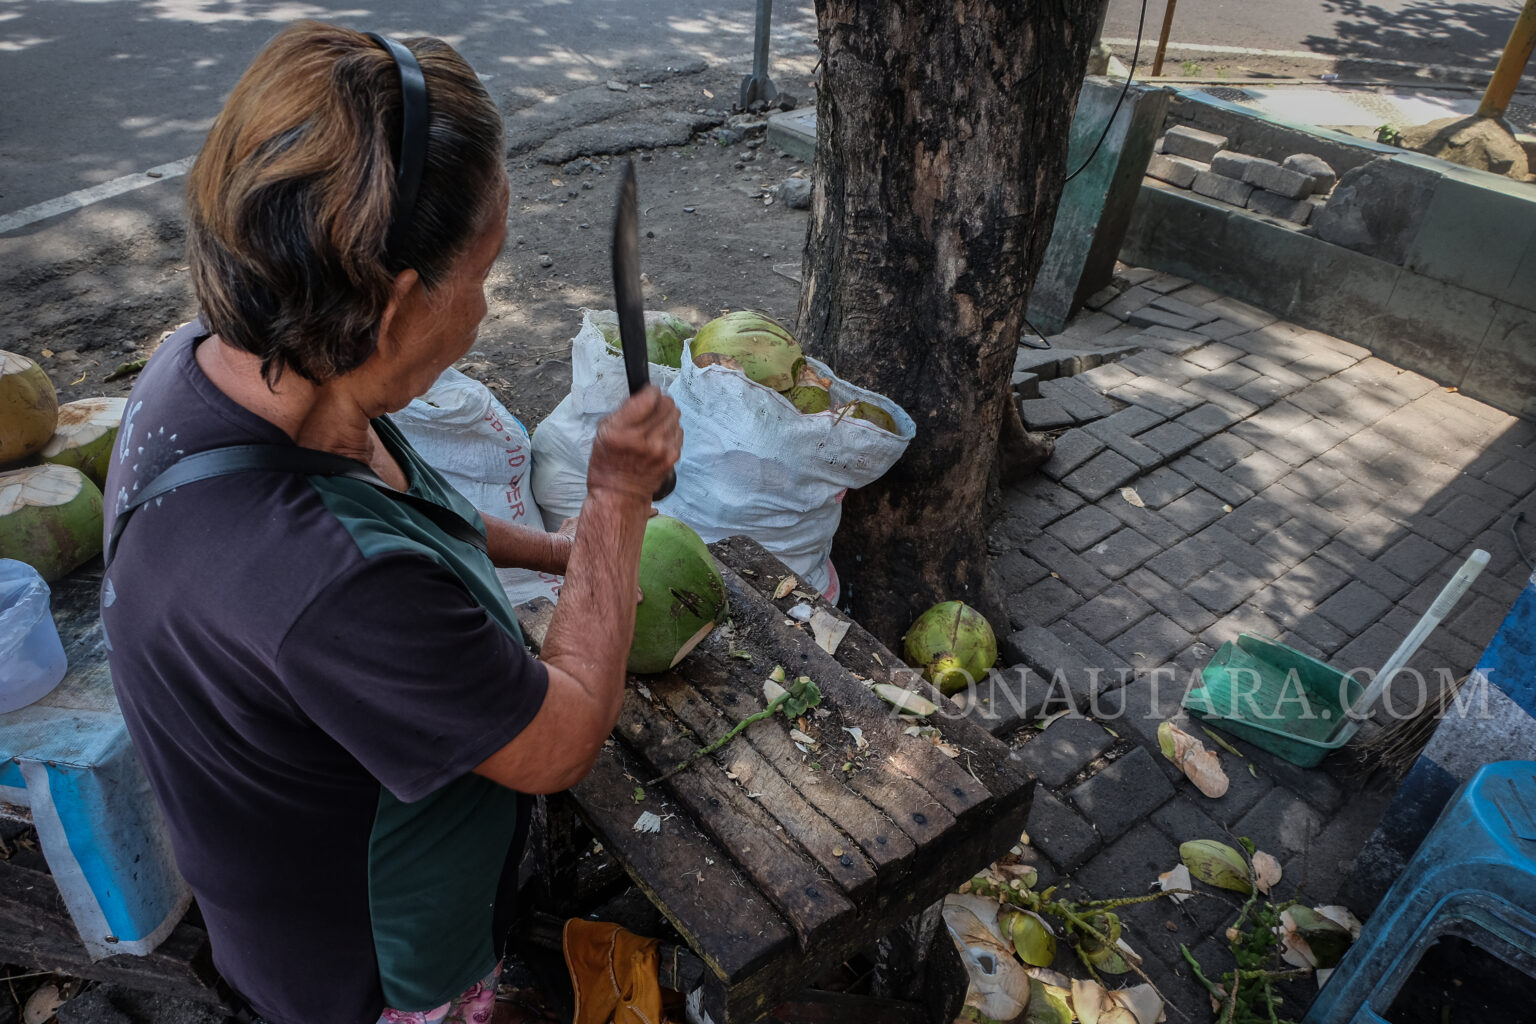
(325,682)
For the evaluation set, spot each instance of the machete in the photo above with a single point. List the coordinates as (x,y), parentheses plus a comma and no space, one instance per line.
(626,296)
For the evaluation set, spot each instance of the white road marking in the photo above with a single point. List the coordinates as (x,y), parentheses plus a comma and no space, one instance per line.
(95,194)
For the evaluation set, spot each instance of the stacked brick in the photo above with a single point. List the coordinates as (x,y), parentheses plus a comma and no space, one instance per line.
(1201,162)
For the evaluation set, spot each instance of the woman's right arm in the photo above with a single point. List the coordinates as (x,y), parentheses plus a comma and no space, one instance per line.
(589,635)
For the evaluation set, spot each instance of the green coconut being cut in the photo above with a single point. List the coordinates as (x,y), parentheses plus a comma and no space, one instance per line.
(953,645)
(753,343)
(50,518)
(29,407)
(683,596)
(664,335)
(810,394)
(85,435)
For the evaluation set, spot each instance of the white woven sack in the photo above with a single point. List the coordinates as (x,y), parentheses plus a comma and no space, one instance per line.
(562,444)
(754,464)
(465,434)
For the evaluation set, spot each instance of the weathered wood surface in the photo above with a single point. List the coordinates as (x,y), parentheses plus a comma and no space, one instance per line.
(778,859)
(36,931)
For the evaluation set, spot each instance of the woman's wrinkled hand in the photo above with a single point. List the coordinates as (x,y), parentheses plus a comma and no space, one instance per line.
(636,445)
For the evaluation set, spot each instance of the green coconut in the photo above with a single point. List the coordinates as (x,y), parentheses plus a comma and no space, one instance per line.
(952,644)
(50,518)
(664,335)
(683,596)
(810,394)
(870,413)
(754,343)
(29,407)
(85,436)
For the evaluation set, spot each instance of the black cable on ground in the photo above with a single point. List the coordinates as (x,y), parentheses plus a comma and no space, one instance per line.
(1130,73)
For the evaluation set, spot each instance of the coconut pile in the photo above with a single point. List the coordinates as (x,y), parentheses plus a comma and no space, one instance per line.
(53,465)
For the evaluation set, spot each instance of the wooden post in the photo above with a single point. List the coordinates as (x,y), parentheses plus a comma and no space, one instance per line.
(1522,39)
(1162,40)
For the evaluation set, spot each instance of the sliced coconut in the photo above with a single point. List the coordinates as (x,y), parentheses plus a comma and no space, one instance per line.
(84,436)
(50,518)
(29,407)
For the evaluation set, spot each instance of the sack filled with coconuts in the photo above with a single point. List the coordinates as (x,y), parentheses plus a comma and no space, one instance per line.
(773,440)
(562,443)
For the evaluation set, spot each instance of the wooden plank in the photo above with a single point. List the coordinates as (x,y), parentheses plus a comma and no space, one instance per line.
(833,851)
(36,931)
(809,900)
(865,656)
(712,905)
(759,628)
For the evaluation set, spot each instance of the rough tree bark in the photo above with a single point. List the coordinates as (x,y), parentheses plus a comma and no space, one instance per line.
(941,143)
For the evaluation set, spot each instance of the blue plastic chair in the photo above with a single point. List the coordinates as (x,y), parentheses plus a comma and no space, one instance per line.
(1474,876)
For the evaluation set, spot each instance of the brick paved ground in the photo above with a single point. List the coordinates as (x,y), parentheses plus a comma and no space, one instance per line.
(1289,484)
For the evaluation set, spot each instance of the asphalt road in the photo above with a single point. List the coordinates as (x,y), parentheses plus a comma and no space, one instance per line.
(1459,34)
(94,90)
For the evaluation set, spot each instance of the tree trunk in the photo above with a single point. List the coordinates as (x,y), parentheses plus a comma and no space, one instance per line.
(941,138)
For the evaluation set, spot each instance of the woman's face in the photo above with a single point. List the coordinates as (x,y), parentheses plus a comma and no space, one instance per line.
(437,328)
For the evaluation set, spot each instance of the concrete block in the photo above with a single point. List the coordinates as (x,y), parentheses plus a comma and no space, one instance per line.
(1193,143)
(1059,832)
(1124,794)
(1478,238)
(1175,170)
(1065,749)
(1044,414)
(1296,211)
(1282,181)
(1025,385)
(1220,187)
(1314,167)
(1234,164)
(794,131)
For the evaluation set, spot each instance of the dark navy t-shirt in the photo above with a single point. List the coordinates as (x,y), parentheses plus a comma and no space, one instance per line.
(310,669)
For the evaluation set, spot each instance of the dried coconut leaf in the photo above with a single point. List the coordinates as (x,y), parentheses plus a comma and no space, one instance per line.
(1266,870)
(1131,497)
(906,700)
(828,630)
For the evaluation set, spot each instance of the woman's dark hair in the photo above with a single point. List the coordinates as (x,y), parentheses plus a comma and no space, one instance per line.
(291,196)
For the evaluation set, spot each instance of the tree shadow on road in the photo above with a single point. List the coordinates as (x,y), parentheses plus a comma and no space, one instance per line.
(1474,33)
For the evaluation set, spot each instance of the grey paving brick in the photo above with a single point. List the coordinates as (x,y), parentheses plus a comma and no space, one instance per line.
(1167,339)
(1016,570)
(1268,204)
(1250,317)
(1068,566)
(1169,600)
(1466,515)
(1155,640)
(1144,521)
(1359,567)
(1181,140)
(1109,614)
(1151,316)
(1262,391)
(1281,823)
(1025,385)
(1074,665)
(1175,170)
(1063,750)
(1161,486)
(1165,282)
(1084,527)
(1282,181)
(1045,414)
(1259,470)
(1159,365)
(1316,436)
(1140,706)
(1124,794)
(1040,604)
(1078,398)
(1073,448)
(1179,307)
(1059,832)
(1169,393)
(1292,541)
(1311,513)
(1185,561)
(1413,558)
(1006,699)
(1103,473)
(1311,581)
(1320,633)
(1186,818)
(1126,868)
(1037,501)
(1211,479)
(1208,419)
(1121,552)
(1129,301)
(1222,188)
(1171,439)
(1198,294)
(1354,607)
(1104,377)
(1241,552)
(1313,480)
(1224,587)
(1133,420)
(1254,519)
(1103,670)
(1232,163)
(1329,399)
(1279,419)
(1246,619)
(1103,295)
(1214,356)
(1322,362)
(1220,329)
(1126,446)
(1283,448)
(1221,394)
(1222,451)
(1194,511)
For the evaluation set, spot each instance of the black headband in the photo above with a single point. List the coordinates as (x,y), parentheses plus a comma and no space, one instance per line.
(413,141)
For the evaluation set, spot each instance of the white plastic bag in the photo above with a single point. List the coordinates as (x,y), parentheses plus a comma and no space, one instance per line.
(753,464)
(562,443)
(460,428)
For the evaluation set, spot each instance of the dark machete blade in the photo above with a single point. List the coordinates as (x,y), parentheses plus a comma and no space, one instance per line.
(626,282)
(628,302)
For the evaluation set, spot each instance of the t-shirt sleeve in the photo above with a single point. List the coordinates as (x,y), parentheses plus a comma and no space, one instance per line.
(398,663)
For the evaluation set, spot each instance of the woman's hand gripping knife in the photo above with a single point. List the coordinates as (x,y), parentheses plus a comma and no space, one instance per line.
(589,635)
